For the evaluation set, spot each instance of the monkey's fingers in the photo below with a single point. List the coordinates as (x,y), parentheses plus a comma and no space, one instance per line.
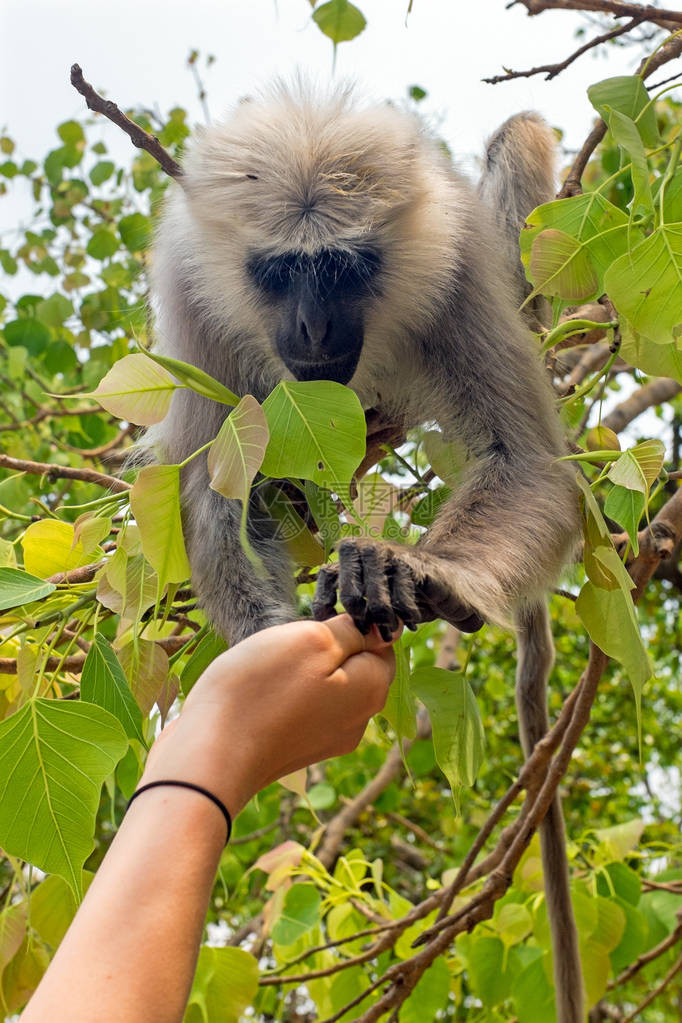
(375,562)
(403,593)
(324,601)
(352,584)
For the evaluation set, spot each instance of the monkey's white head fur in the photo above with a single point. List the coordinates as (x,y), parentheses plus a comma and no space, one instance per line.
(293,171)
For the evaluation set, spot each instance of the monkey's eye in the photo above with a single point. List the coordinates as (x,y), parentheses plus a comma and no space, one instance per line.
(327,270)
(276,274)
(349,270)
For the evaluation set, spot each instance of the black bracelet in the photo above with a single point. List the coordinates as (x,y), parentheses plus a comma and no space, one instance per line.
(195,788)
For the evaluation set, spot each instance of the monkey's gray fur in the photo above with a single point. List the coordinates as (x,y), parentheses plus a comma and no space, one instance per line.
(280,205)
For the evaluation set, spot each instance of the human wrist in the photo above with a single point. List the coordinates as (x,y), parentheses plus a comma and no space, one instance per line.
(205,753)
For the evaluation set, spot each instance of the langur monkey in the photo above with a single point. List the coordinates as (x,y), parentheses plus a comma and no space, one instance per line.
(319,239)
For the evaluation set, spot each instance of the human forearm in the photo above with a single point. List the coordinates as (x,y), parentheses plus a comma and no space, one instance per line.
(155,883)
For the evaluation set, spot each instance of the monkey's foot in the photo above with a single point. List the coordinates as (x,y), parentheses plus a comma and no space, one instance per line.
(378,583)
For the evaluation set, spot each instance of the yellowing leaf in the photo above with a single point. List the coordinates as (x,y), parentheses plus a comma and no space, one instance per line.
(235,457)
(602,438)
(237,452)
(49,548)
(155,501)
(225,983)
(90,530)
(136,389)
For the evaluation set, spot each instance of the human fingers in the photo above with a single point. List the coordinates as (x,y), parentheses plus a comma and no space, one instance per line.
(351,641)
(367,678)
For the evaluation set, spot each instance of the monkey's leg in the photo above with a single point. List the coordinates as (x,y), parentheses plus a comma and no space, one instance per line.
(236,600)
(535,659)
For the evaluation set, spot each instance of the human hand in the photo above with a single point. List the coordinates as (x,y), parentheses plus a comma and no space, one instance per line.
(284,698)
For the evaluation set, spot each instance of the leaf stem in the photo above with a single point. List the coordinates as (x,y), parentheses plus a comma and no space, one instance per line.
(670,171)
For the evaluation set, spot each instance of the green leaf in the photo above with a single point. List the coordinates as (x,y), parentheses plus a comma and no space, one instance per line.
(560,266)
(645,285)
(653,359)
(622,880)
(416,93)
(103,682)
(155,502)
(458,738)
(317,432)
(599,226)
(53,907)
(430,996)
(195,379)
(203,654)
(136,389)
(625,133)
(400,709)
(446,458)
(102,244)
(101,172)
(135,231)
(18,588)
(29,333)
(610,618)
(627,94)
(339,20)
(235,457)
(71,133)
(54,757)
(634,939)
(300,913)
(626,507)
(225,984)
(489,979)
(54,310)
(533,994)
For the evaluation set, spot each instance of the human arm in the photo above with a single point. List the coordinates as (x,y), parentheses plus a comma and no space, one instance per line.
(286,697)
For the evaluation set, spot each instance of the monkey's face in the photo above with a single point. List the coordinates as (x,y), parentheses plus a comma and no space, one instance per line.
(318,306)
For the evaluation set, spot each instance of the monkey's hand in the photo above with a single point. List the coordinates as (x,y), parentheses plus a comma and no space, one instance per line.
(379,583)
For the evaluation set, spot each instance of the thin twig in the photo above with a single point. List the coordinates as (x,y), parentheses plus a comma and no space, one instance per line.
(138,136)
(636,1013)
(648,957)
(552,70)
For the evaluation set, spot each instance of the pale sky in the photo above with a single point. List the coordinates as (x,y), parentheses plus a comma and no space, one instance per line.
(135,50)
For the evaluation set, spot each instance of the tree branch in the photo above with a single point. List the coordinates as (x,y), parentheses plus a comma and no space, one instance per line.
(653,393)
(669,51)
(65,472)
(138,136)
(648,957)
(552,70)
(644,12)
(636,1013)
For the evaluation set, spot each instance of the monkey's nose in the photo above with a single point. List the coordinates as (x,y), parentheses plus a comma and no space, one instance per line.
(314,324)
(315,333)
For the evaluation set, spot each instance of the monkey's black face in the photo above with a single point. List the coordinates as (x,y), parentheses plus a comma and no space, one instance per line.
(320,300)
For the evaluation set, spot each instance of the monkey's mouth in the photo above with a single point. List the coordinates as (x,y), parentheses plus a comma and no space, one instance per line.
(341,369)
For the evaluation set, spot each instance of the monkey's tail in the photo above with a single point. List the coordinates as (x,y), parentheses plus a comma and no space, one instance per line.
(535,659)
(519,174)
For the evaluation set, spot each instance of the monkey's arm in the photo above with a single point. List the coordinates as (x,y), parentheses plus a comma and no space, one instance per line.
(236,600)
(503,536)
